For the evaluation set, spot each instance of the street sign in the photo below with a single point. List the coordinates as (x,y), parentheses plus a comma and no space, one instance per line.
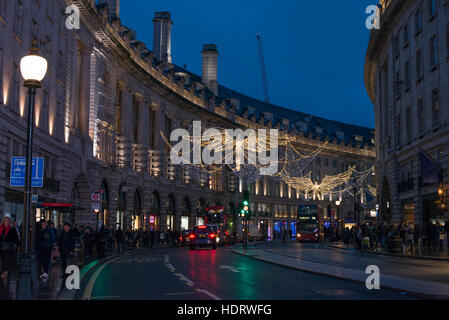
(18,168)
(96,197)
(34,198)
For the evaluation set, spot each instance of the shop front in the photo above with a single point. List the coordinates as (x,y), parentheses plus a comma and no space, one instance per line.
(408,210)
(152,218)
(14,205)
(58,213)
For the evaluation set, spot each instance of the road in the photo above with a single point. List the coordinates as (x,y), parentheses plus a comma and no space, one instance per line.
(181,274)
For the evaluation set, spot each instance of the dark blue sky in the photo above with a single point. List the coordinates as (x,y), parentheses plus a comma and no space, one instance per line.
(314,50)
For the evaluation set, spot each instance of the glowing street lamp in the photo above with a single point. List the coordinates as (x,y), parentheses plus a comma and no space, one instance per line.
(33,68)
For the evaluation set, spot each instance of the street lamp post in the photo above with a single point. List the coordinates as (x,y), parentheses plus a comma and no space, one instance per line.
(338,203)
(33,68)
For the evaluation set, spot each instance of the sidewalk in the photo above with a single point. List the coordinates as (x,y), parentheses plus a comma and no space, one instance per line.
(49,289)
(441,255)
(413,286)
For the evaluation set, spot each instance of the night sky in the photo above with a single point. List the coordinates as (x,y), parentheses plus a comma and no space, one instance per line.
(314,50)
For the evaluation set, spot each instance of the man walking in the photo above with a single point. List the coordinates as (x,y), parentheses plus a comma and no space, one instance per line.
(66,246)
(446,228)
(44,244)
(118,235)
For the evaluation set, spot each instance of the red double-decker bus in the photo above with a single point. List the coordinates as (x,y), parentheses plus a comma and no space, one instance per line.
(308,223)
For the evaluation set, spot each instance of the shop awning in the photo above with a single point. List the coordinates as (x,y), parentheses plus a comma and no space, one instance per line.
(60,205)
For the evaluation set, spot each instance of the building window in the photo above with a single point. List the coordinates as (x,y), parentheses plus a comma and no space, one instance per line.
(421,116)
(18,16)
(44,115)
(418,20)
(398,130)
(406,34)
(3,7)
(447,38)
(432,7)
(435,108)
(433,51)
(396,46)
(419,64)
(60,66)
(15,96)
(407,75)
(397,84)
(408,123)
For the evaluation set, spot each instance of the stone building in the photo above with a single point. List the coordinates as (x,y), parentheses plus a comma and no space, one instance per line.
(407,78)
(101,110)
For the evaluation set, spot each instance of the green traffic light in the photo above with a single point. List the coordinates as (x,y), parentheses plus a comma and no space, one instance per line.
(245,203)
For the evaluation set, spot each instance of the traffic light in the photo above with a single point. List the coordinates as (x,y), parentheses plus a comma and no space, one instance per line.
(245,204)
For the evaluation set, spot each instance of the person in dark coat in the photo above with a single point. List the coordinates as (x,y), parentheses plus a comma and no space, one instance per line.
(44,244)
(9,239)
(88,239)
(152,237)
(66,246)
(102,237)
(118,235)
(430,236)
(446,228)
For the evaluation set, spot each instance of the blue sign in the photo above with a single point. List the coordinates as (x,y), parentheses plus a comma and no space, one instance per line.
(18,169)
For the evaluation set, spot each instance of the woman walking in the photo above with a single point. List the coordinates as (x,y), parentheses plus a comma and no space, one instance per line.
(9,245)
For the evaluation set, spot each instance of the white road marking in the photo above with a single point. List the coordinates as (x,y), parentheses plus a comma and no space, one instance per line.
(229,268)
(183,278)
(208,293)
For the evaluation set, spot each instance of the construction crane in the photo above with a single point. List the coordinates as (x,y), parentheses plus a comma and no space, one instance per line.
(264,71)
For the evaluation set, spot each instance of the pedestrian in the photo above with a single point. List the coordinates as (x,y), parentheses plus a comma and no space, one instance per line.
(284,236)
(10,244)
(408,229)
(152,238)
(162,237)
(118,235)
(439,235)
(66,247)
(430,236)
(102,237)
(88,240)
(44,245)
(417,238)
(446,228)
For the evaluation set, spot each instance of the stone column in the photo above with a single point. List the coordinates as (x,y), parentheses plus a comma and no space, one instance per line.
(141,156)
(124,142)
(84,91)
(156,160)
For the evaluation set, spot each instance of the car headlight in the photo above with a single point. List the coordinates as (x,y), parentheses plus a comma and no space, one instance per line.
(298,235)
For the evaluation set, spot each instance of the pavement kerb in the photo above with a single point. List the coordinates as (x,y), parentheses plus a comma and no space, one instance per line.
(66,294)
(410,292)
(392,254)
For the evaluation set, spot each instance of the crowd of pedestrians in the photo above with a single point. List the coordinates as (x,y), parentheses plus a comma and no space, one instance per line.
(412,237)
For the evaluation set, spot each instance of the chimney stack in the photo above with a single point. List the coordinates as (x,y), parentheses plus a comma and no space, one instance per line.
(162,36)
(114,8)
(210,58)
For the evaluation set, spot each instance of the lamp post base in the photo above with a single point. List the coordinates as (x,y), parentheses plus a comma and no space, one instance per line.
(25,281)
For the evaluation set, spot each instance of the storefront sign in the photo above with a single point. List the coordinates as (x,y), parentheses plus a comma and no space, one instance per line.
(152,219)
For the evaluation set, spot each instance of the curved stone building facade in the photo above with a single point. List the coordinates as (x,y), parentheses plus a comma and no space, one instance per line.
(407,78)
(101,109)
